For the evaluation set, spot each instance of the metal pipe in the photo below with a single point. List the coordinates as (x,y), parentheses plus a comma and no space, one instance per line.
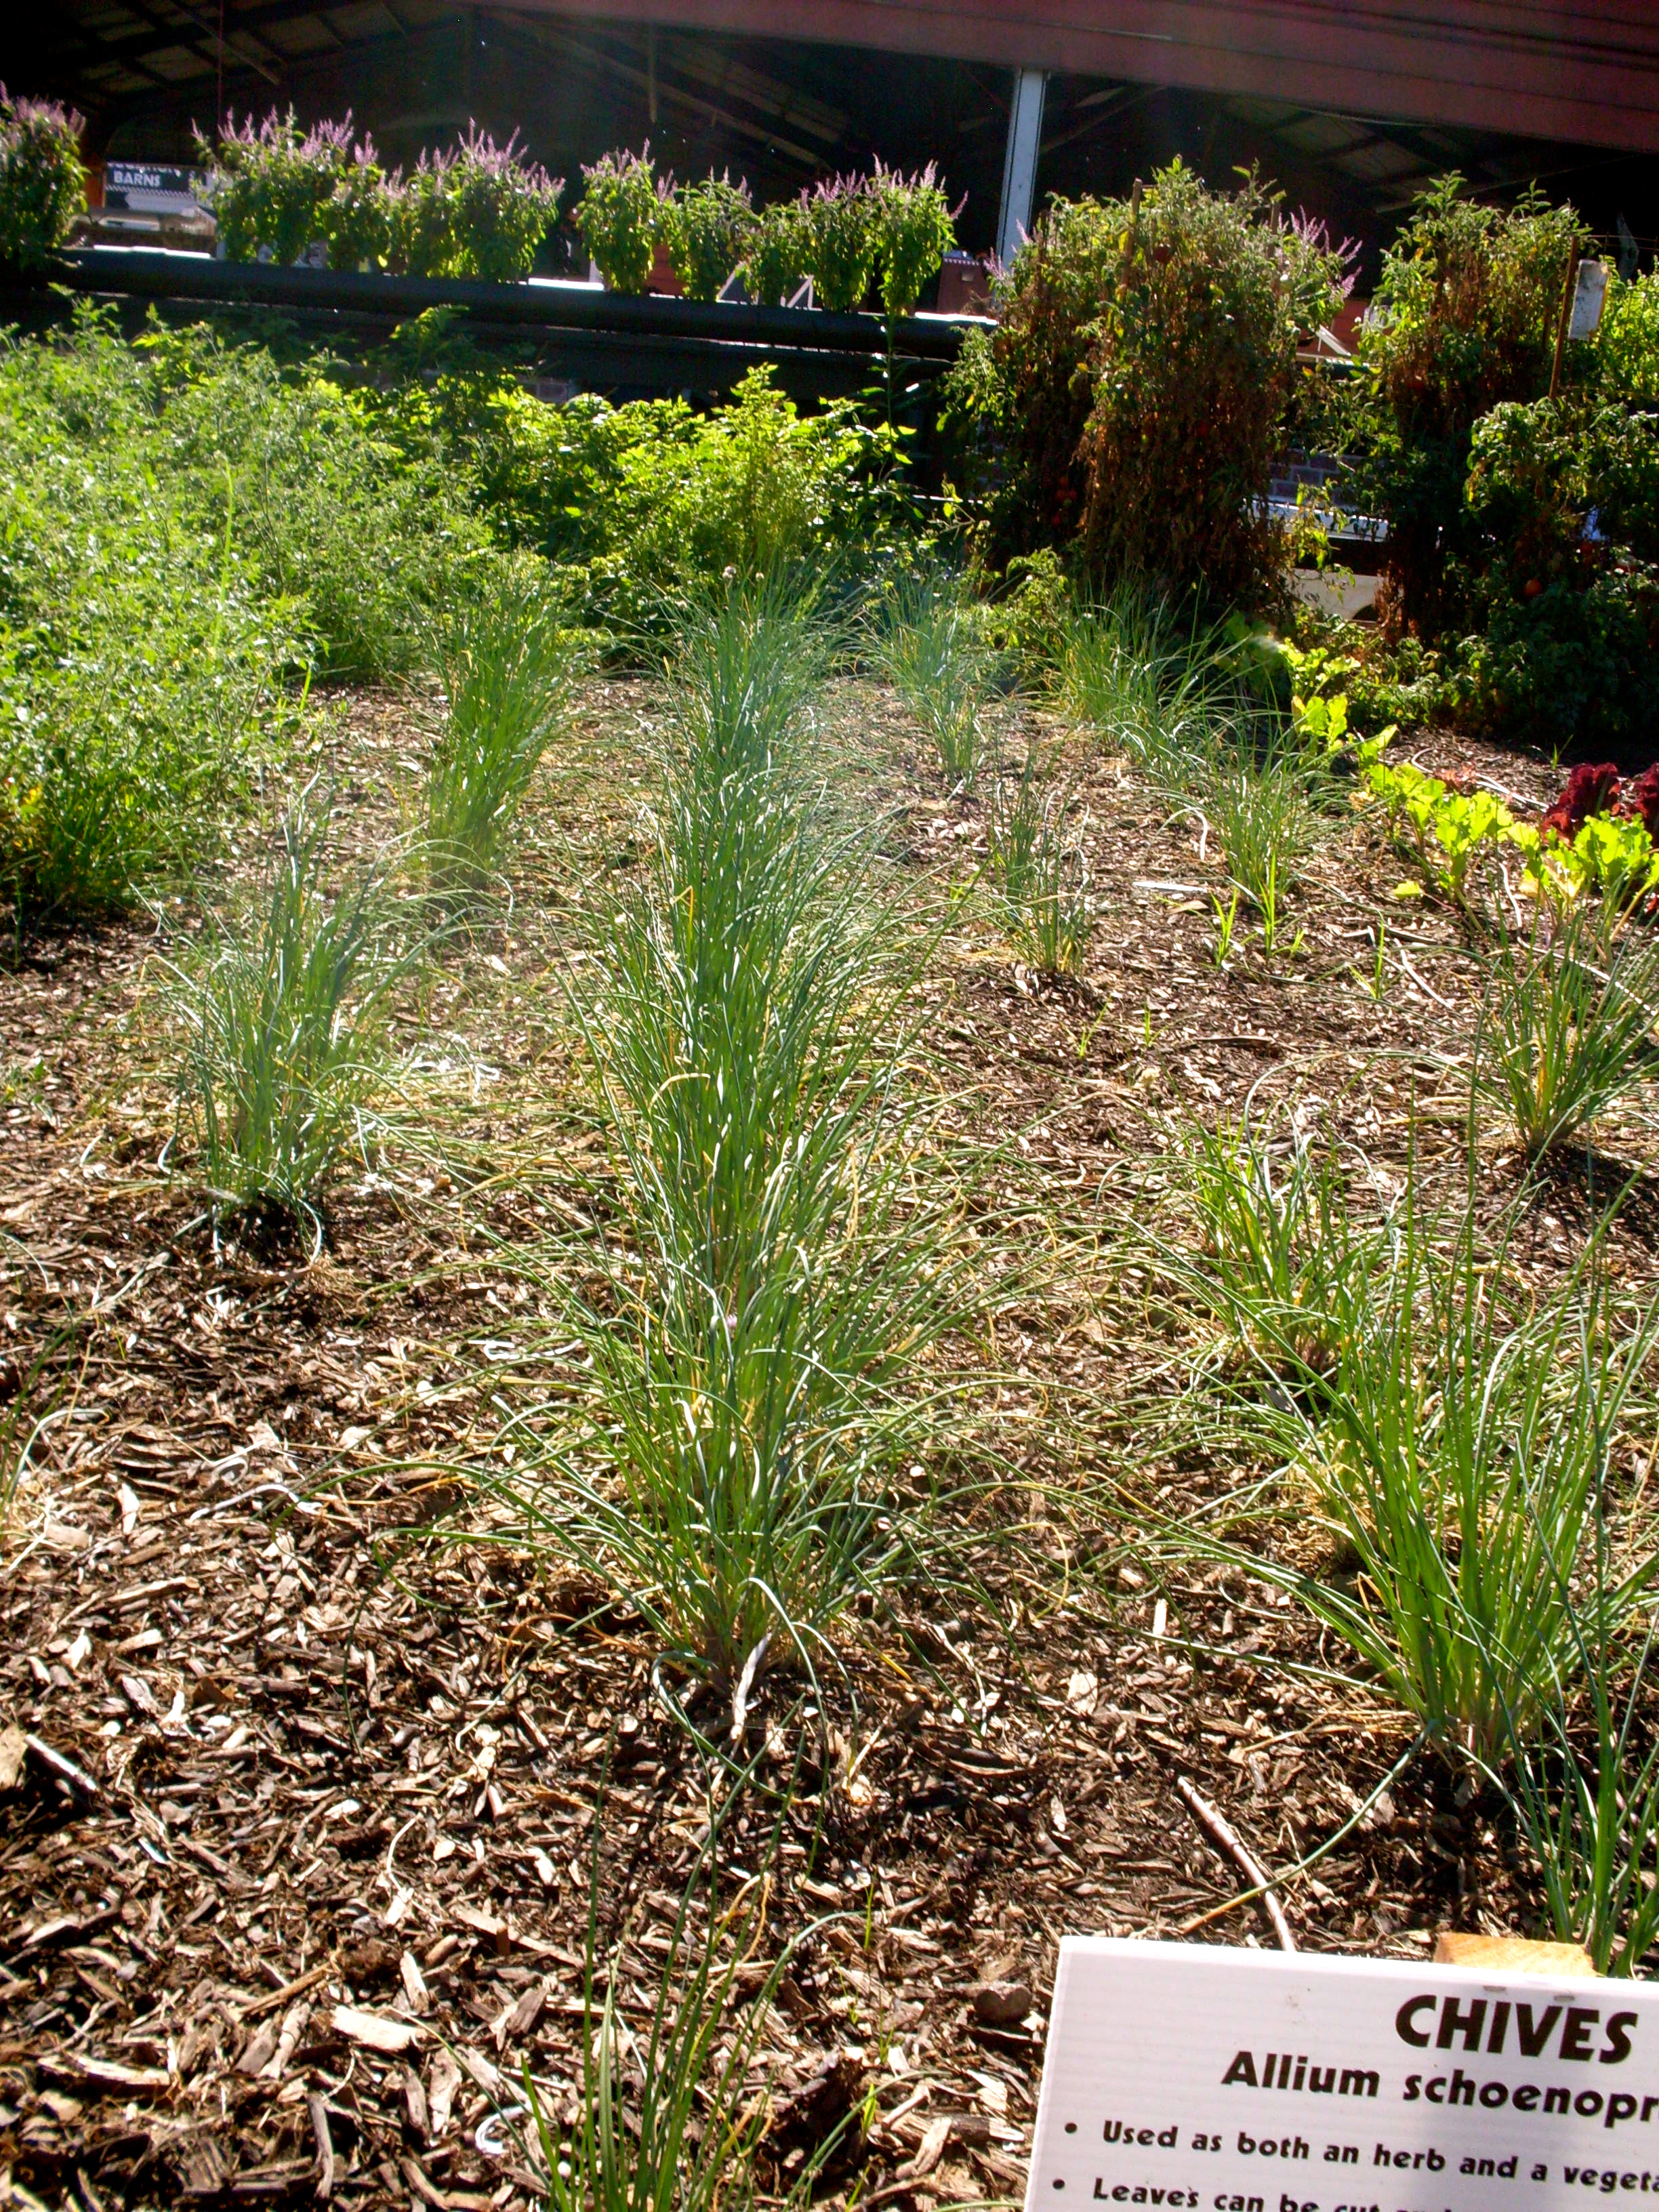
(552,304)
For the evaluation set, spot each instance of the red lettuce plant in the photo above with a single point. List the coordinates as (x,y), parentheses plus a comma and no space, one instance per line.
(1597,788)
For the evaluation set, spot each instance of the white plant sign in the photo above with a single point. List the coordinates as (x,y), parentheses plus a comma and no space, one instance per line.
(1231,2080)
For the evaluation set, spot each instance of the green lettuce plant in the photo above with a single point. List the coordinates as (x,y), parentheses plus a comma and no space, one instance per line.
(1452,830)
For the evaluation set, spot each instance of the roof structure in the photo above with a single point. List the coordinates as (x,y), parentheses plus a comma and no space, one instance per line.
(1351,105)
(1587,72)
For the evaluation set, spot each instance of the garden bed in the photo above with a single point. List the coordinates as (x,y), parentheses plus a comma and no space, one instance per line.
(296,1747)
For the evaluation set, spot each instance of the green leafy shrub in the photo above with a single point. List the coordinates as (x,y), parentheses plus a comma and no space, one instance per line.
(1464,317)
(1626,356)
(362,536)
(359,217)
(1031,623)
(42,179)
(479,210)
(842,213)
(914,232)
(1136,392)
(707,228)
(1194,374)
(779,259)
(142,659)
(1024,388)
(620,215)
(267,184)
(1564,498)
(646,500)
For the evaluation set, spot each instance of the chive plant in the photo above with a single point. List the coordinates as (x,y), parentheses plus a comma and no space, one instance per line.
(928,642)
(665,2120)
(778,1256)
(1040,868)
(1284,1261)
(1128,669)
(1456,1432)
(1253,789)
(1584,1787)
(1567,1024)
(507,667)
(281,1023)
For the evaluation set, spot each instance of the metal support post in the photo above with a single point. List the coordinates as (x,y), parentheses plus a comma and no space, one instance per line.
(1019,165)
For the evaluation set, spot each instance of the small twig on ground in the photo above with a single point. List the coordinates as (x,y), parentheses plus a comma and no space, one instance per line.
(1218,1833)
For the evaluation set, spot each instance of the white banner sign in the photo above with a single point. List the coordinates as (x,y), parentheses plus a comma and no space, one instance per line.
(1224,2080)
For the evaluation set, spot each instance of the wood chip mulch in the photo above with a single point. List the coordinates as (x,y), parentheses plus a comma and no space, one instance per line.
(299,1791)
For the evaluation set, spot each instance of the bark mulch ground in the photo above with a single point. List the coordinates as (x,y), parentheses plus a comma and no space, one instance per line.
(301,1789)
